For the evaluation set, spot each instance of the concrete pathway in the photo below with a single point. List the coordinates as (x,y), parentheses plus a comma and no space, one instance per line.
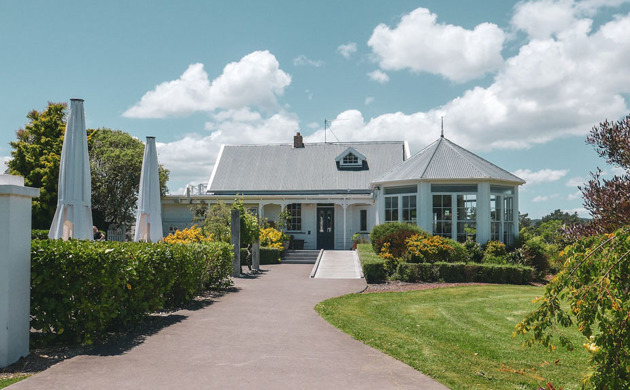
(339,265)
(265,336)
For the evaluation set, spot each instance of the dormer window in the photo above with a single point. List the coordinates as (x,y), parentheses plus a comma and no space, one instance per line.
(351,159)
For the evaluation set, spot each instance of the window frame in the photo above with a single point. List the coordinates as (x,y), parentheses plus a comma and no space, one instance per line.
(295,211)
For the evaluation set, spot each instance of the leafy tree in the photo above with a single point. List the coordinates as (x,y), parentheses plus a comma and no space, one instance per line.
(217,222)
(116,165)
(563,217)
(36,156)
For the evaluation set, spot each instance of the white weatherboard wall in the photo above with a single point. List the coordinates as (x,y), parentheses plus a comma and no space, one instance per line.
(15,267)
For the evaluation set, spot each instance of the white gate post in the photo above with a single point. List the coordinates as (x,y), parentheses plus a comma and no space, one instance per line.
(235,222)
(15,267)
(256,256)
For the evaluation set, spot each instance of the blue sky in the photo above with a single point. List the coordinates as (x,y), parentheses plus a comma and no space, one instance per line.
(519,83)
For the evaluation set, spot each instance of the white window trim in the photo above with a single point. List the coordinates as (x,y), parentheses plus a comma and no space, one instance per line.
(400,207)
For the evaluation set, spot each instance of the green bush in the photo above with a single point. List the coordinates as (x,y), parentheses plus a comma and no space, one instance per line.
(495,253)
(463,273)
(475,253)
(267,255)
(81,289)
(536,255)
(39,234)
(373,266)
(395,234)
(421,249)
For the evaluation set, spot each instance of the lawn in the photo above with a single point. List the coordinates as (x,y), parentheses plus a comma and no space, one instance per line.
(4,382)
(460,336)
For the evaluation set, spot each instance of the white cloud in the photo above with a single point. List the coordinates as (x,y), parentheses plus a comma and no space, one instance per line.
(544,198)
(379,76)
(541,176)
(581,211)
(347,50)
(575,195)
(4,161)
(303,60)
(369,100)
(576,181)
(256,80)
(191,158)
(420,44)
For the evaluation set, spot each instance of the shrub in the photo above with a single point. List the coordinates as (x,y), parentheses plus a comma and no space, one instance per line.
(431,249)
(81,289)
(395,234)
(372,265)
(39,234)
(535,253)
(267,255)
(475,253)
(495,253)
(463,273)
(191,235)
(271,238)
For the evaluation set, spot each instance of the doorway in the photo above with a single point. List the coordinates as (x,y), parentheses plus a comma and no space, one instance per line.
(326,227)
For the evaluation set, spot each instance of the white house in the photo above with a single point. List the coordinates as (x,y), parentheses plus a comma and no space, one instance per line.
(334,190)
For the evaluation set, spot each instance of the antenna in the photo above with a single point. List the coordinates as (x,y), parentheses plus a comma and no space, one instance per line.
(326,124)
(442,135)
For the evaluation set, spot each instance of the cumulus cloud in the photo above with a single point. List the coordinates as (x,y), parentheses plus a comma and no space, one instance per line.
(369,100)
(191,158)
(544,198)
(541,176)
(581,211)
(256,80)
(347,49)
(421,44)
(576,181)
(303,60)
(379,76)
(575,195)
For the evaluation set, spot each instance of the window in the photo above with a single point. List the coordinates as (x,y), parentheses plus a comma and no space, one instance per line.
(409,209)
(350,159)
(502,214)
(295,211)
(466,217)
(363,220)
(495,217)
(391,209)
(442,215)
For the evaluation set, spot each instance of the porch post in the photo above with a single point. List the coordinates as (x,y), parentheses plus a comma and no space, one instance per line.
(483,212)
(236,242)
(345,227)
(425,204)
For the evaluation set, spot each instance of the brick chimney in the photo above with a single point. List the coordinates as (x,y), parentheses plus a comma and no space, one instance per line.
(297,141)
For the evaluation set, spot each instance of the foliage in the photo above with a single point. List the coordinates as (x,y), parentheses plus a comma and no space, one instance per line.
(191,235)
(395,234)
(81,289)
(217,222)
(535,252)
(459,336)
(390,261)
(373,266)
(116,165)
(360,238)
(475,253)
(608,200)
(563,217)
(267,255)
(594,283)
(36,157)
(283,220)
(423,249)
(495,253)
(39,234)
(271,238)
(463,273)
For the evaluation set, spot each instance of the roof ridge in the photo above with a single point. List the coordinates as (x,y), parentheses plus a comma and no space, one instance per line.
(405,161)
(483,159)
(439,141)
(481,169)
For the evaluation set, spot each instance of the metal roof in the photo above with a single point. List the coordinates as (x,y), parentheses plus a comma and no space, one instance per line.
(445,160)
(281,168)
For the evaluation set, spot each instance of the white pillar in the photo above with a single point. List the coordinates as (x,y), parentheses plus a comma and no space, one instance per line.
(515,218)
(345,226)
(483,212)
(261,206)
(235,222)
(425,207)
(380,206)
(15,267)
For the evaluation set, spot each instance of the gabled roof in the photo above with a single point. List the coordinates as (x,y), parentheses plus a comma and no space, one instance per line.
(283,169)
(445,160)
(347,152)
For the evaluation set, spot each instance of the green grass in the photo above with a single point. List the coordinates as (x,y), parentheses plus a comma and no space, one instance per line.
(461,336)
(4,382)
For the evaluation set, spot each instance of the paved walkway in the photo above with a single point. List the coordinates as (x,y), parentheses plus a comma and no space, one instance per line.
(339,265)
(265,336)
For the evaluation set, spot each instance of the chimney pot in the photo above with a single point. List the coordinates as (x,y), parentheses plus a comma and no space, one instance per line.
(298,141)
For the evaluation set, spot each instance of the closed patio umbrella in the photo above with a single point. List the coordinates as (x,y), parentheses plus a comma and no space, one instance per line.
(73,217)
(149,213)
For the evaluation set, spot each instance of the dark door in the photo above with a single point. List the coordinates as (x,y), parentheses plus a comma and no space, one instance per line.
(325,228)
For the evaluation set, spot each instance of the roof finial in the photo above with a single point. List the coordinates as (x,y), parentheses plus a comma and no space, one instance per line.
(442,135)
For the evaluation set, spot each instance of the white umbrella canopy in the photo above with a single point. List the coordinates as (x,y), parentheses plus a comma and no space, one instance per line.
(73,217)
(149,213)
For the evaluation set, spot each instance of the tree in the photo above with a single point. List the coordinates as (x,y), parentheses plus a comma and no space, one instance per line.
(217,222)
(116,165)
(563,217)
(36,156)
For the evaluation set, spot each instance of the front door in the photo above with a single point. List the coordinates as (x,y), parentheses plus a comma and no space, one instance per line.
(325,228)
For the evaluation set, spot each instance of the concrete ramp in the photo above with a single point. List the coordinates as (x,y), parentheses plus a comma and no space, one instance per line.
(339,265)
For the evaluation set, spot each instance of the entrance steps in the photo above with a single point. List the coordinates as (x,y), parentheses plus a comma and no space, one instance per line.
(300,256)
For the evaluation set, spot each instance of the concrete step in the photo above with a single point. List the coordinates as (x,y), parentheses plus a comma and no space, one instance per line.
(300,256)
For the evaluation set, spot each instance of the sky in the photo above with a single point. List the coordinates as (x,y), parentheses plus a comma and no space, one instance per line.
(521,84)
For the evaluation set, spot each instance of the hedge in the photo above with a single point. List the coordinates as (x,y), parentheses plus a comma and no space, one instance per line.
(267,255)
(39,234)
(464,273)
(81,290)
(373,266)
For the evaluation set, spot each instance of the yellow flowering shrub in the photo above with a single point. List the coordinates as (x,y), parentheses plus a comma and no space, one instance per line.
(193,234)
(271,238)
(428,249)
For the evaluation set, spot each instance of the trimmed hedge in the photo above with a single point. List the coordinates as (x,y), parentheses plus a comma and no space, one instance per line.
(395,233)
(39,234)
(267,255)
(372,265)
(464,273)
(81,290)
